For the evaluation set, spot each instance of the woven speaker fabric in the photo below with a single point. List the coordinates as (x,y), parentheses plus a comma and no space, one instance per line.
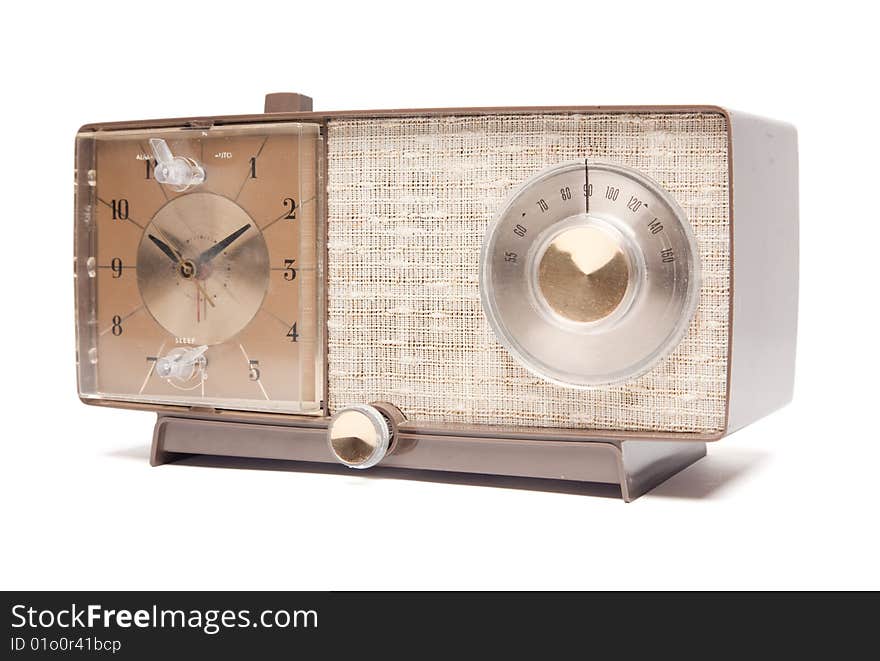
(409,200)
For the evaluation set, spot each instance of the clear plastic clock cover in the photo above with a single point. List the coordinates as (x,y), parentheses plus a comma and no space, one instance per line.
(197,266)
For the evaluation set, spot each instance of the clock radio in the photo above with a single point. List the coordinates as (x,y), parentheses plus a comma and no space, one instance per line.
(585,293)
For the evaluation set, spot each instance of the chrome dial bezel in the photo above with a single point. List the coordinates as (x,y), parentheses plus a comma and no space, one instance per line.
(664,285)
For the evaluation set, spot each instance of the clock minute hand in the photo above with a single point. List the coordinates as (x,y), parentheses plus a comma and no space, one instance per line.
(221,245)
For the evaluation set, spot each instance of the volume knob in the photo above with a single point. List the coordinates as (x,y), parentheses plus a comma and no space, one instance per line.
(359,436)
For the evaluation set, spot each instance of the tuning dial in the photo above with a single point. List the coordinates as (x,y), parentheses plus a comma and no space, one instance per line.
(590,274)
(359,436)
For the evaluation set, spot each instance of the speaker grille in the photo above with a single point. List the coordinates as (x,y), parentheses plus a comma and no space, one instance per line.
(409,200)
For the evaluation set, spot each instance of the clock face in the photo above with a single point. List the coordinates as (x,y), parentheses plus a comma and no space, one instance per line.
(196,263)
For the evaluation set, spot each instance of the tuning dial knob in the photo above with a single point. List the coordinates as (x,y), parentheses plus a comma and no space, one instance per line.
(359,436)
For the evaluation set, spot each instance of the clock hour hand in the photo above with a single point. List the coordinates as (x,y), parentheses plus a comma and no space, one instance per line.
(221,245)
(164,247)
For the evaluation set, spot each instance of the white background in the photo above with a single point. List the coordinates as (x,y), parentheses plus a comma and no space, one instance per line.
(791,501)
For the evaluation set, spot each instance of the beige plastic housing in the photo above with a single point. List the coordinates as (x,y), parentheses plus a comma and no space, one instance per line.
(765,253)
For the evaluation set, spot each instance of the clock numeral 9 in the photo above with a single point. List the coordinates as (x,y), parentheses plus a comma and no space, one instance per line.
(292,334)
(254,370)
(116,267)
(119,209)
(289,271)
(290,202)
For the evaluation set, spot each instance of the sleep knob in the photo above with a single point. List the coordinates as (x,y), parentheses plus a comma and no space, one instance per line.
(359,436)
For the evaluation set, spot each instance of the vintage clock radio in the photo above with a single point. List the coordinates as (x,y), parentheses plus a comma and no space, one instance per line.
(574,293)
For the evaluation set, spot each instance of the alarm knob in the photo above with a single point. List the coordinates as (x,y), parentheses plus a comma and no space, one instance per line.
(182,364)
(359,436)
(180,172)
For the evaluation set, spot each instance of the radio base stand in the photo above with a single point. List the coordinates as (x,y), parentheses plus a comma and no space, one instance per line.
(636,466)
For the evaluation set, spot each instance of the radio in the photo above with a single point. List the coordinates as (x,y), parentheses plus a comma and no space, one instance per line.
(571,293)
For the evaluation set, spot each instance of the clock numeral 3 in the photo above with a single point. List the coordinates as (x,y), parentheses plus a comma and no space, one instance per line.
(289,271)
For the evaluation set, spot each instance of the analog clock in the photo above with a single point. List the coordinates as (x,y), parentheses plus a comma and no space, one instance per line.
(197,266)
